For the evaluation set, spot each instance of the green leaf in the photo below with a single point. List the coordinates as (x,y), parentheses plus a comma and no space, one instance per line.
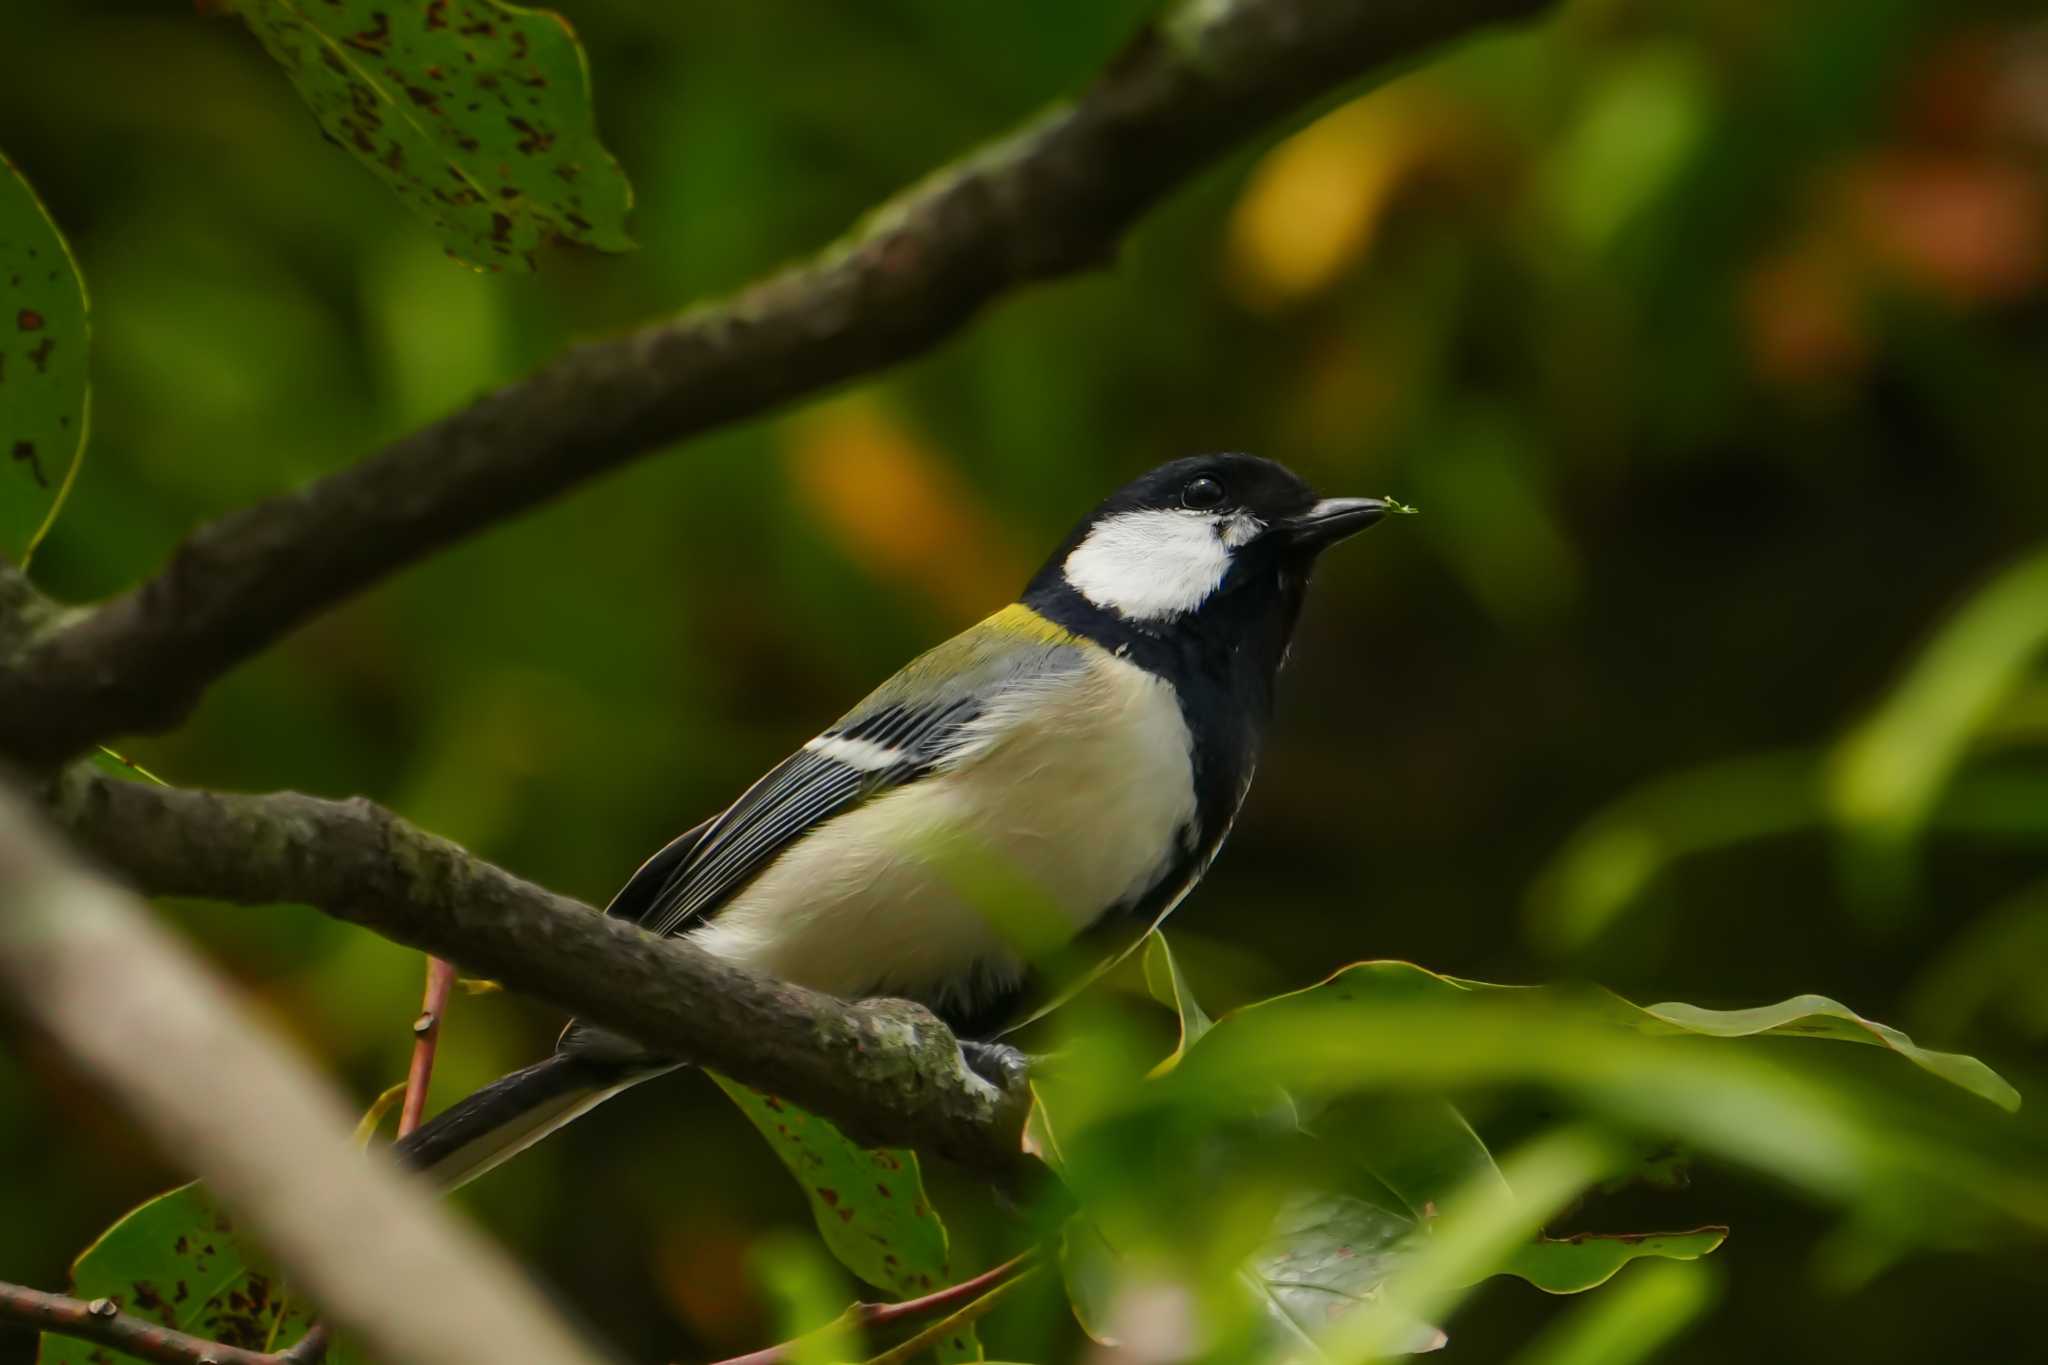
(178,1260)
(1641,120)
(1163,978)
(1422,1149)
(45,397)
(1572,1265)
(476,114)
(1329,1255)
(870,1206)
(1816,1016)
(1608,864)
(1088,1269)
(1419,1147)
(1887,775)
(1483,1224)
(804,1290)
(961,1346)
(1994,966)
(1810,1016)
(1630,1322)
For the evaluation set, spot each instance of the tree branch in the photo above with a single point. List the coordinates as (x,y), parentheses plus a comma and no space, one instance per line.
(886,1071)
(1054,197)
(101,1323)
(87,964)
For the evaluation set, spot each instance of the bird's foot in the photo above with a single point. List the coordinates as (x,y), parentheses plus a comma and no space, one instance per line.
(1001,1065)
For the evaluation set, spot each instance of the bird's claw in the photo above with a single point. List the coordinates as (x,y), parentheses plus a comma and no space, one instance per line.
(1001,1065)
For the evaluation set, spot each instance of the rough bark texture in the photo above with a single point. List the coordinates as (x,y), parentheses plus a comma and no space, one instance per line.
(886,1071)
(1054,197)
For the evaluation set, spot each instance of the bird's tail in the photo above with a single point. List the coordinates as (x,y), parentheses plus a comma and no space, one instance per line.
(512,1113)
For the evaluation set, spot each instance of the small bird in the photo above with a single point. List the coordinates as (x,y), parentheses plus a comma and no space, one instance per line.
(1092,742)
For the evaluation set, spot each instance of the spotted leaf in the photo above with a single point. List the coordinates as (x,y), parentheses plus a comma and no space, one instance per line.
(43,388)
(179,1261)
(870,1206)
(476,114)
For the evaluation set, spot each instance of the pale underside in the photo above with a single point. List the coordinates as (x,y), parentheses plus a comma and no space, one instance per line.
(1071,794)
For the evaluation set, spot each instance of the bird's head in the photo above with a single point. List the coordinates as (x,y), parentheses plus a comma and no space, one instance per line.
(1201,537)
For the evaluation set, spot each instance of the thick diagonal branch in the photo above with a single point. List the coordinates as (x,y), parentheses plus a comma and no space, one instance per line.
(1054,197)
(885,1071)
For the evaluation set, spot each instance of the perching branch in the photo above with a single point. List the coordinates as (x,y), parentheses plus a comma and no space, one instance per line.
(886,1071)
(85,963)
(1054,197)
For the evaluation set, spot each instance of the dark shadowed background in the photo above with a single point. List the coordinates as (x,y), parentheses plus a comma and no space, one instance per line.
(1711,338)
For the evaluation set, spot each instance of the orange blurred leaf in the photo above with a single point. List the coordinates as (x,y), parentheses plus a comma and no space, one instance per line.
(1802,313)
(898,508)
(1967,227)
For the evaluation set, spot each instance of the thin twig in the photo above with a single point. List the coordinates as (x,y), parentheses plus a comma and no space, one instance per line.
(104,1324)
(919,1342)
(870,1315)
(310,1349)
(426,1032)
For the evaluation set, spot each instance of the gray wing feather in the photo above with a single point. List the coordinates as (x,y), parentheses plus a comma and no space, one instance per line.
(922,717)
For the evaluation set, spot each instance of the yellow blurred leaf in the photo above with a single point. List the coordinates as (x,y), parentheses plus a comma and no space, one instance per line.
(1313,205)
(898,508)
(366,1127)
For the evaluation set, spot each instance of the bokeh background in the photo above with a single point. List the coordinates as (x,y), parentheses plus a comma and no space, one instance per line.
(1711,336)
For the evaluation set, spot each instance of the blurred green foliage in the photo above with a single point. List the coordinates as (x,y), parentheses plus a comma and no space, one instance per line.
(1708,334)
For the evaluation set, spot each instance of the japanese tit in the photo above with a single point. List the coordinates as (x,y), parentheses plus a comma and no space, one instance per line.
(1093,741)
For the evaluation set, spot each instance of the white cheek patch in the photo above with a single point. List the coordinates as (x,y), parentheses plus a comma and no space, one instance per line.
(1148,565)
(1242,529)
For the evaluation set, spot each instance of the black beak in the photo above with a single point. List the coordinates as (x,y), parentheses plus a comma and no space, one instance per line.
(1331,520)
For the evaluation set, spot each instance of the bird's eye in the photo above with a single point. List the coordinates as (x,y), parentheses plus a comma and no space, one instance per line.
(1202,495)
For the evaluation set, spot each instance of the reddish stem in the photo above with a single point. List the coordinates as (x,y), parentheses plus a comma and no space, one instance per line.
(426,1031)
(882,1314)
(105,1324)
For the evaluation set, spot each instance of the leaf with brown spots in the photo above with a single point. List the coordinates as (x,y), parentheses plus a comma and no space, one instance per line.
(870,1206)
(44,392)
(477,115)
(178,1260)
